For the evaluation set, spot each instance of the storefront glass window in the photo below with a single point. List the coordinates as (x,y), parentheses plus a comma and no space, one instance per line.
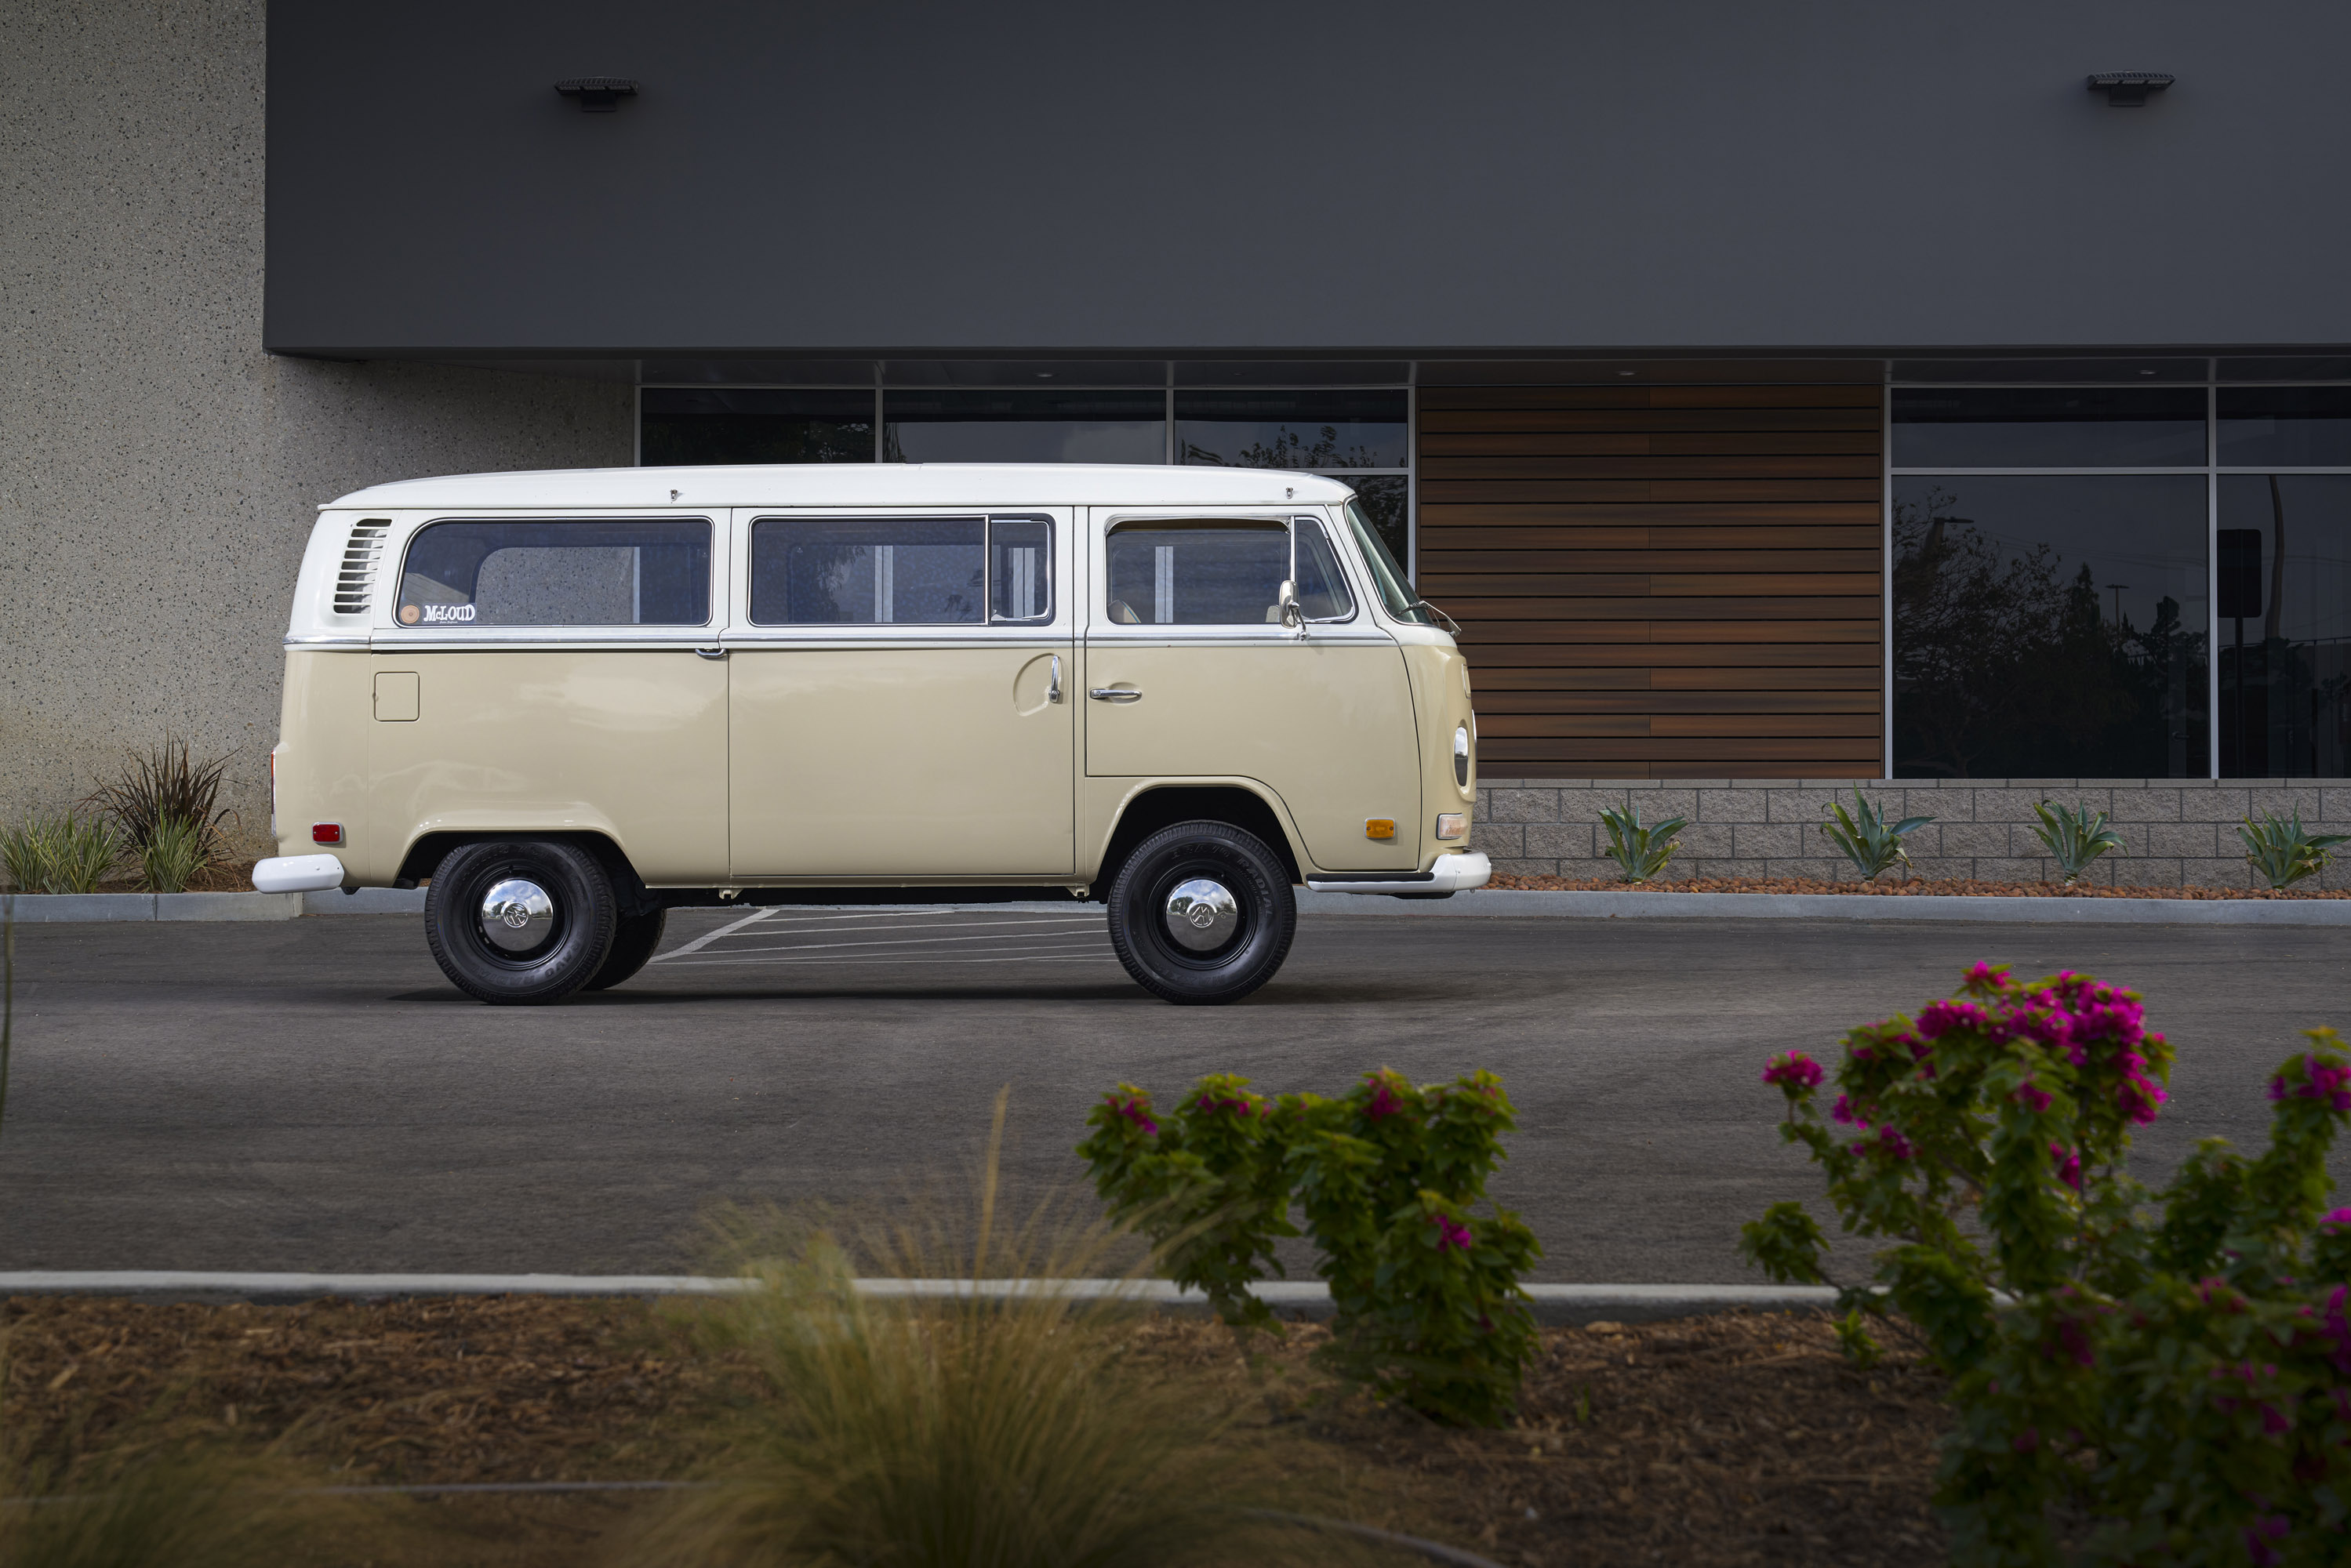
(2049,627)
(2285,427)
(687,426)
(2285,626)
(1018,426)
(2049,427)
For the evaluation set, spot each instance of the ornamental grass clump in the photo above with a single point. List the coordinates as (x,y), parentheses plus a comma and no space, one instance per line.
(1427,1308)
(2073,836)
(65,853)
(163,786)
(2285,852)
(1640,852)
(2174,1366)
(1873,844)
(991,1419)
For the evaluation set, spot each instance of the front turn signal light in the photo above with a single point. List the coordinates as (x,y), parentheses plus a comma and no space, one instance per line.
(1453,825)
(1380,827)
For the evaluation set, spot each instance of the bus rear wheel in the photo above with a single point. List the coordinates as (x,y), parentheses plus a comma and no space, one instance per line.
(514,921)
(1202,913)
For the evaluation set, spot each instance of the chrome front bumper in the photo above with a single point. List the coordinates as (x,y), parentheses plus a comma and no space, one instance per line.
(1451,874)
(298,874)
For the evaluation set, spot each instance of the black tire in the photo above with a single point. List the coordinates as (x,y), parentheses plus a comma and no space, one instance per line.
(634,937)
(578,935)
(1240,861)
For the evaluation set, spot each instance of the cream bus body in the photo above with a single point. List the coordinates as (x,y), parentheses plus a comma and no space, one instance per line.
(745,684)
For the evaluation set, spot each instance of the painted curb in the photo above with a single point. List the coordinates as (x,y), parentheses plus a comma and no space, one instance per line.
(1511,902)
(1552,1303)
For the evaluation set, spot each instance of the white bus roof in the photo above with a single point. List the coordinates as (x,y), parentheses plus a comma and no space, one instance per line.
(979,484)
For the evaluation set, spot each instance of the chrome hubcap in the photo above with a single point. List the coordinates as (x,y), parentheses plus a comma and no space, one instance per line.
(516,915)
(1203,915)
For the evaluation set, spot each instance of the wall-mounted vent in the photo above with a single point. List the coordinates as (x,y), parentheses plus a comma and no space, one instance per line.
(358,573)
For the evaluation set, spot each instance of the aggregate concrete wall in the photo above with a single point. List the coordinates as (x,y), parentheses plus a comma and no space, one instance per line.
(159,472)
(2175,832)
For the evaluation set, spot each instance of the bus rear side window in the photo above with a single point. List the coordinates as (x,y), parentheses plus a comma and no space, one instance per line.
(654,572)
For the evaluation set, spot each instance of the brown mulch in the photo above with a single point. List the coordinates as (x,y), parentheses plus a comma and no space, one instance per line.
(1735,1438)
(1960,887)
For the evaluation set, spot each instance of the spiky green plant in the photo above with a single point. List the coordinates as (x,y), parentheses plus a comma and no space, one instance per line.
(1640,852)
(174,855)
(1873,844)
(67,853)
(2073,836)
(999,1425)
(2283,852)
(164,784)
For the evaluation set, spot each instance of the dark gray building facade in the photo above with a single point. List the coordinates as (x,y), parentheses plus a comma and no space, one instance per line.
(1823,391)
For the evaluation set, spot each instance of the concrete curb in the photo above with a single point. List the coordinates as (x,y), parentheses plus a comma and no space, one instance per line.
(1846,906)
(45,909)
(1552,1303)
(365,901)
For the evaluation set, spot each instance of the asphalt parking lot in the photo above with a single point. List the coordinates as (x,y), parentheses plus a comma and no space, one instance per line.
(313,1095)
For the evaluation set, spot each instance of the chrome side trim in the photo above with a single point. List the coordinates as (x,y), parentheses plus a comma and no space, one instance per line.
(327,640)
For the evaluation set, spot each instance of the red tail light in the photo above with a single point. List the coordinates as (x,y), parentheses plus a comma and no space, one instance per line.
(326,832)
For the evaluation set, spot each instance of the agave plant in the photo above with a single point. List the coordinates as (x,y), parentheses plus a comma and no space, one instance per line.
(2282,851)
(2073,836)
(1640,852)
(1867,839)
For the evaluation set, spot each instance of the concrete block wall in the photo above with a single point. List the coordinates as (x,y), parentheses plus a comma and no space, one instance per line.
(2175,832)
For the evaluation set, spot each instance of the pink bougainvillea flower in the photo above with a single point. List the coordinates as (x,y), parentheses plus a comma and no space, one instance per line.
(1134,1112)
(2032,1095)
(2069,1165)
(1796,1070)
(1990,977)
(1384,1101)
(2024,1442)
(1212,1105)
(1841,1111)
(1940,1017)
(1451,1234)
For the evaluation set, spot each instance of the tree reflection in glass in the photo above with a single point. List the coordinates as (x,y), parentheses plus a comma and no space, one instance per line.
(2285,626)
(2049,627)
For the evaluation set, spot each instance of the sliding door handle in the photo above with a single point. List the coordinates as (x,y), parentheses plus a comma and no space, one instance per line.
(1115,695)
(1053,692)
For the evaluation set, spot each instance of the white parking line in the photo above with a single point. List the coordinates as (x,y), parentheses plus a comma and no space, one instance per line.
(992,936)
(704,941)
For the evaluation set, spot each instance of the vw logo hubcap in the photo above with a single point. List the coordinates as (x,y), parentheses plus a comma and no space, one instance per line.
(516,915)
(1203,915)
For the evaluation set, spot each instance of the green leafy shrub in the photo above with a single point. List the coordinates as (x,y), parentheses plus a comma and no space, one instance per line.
(2177,1365)
(65,853)
(2282,853)
(174,855)
(1427,1308)
(1869,840)
(2073,836)
(1639,853)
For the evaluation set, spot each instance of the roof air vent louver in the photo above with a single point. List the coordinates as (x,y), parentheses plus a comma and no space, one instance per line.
(358,573)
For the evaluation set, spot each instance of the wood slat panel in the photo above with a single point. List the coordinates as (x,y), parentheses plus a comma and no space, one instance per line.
(1643,516)
(1658,702)
(1652,397)
(1444,587)
(1664,659)
(1661,580)
(1787,607)
(1614,465)
(1445,492)
(1457,562)
(1450,421)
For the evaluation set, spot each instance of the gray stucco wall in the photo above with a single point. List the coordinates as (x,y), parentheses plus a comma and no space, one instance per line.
(158,471)
(904,177)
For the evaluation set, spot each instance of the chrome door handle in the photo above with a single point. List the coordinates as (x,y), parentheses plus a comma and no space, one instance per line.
(1053,692)
(710,652)
(1115,695)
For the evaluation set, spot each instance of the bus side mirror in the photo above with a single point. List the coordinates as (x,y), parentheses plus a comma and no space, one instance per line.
(1291,616)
